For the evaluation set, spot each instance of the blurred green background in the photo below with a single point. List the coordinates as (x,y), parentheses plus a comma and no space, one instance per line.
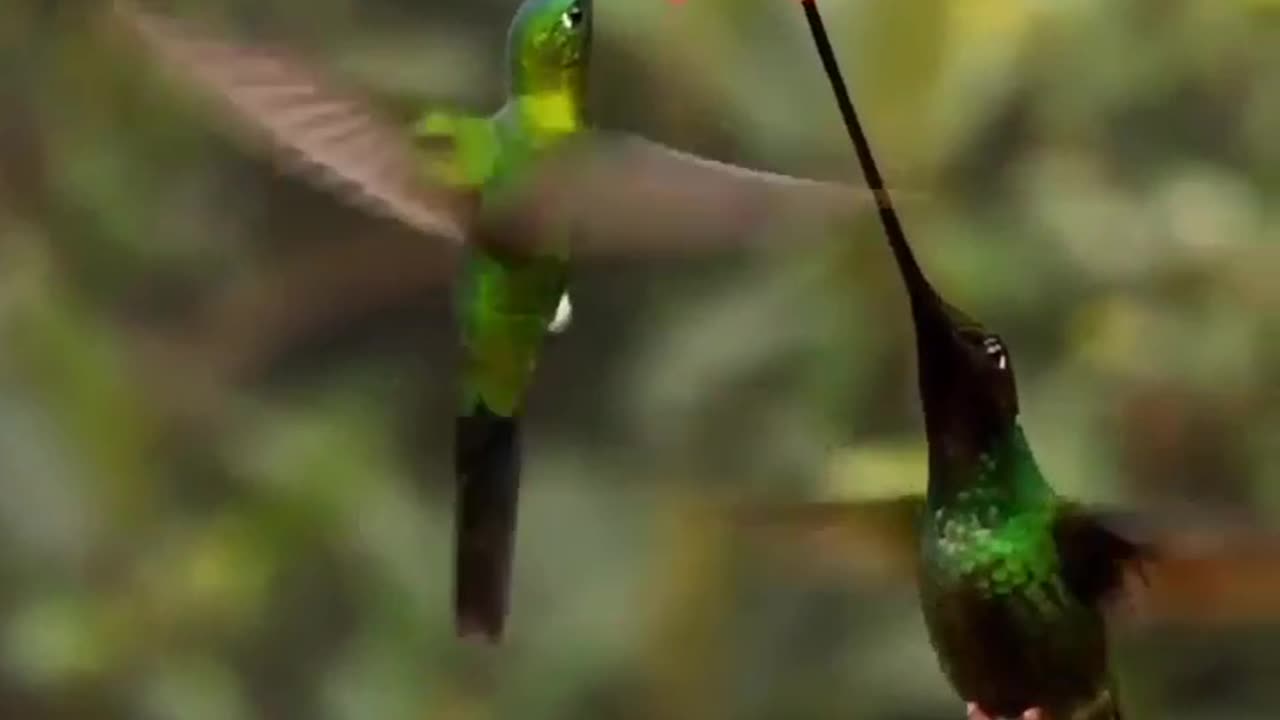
(225,399)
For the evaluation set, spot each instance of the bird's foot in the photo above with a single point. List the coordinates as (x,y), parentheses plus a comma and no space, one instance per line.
(976,713)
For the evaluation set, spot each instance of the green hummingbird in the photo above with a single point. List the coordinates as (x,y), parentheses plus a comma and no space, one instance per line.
(508,302)
(1013,579)
(516,190)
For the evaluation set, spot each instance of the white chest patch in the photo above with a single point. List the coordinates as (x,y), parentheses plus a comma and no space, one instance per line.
(564,316)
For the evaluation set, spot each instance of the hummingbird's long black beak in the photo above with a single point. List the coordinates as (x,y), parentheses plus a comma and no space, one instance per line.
(951,390)
(934,319)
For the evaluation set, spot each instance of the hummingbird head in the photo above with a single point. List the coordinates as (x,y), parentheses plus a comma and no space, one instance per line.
(549,45)
(967,385)
(966,376)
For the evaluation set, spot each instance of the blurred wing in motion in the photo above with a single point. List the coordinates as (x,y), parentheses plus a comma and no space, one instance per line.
(870,539)
(623,194)
(326,136)
(1190,567)
(620,193)
(1174,567)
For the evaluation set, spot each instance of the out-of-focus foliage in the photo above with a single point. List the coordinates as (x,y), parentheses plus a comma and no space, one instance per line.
(225,475)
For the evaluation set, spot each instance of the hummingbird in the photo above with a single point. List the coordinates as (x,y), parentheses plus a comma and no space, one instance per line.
(517,192)
(508,302)
(1014,580)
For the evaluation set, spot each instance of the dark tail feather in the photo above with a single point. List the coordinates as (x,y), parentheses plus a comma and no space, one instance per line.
(487,462)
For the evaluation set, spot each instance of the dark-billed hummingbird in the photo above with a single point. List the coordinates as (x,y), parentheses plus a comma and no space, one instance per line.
(1011,576)
(1014,580)
(516,190)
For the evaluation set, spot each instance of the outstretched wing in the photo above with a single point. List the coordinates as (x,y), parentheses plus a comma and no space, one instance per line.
(625,194)
(325,135)
(1096,559)
(871,539)
(1175,566)
(620,193)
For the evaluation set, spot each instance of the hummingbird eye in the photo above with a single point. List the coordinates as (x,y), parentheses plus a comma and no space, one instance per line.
(572,17)
(994,348)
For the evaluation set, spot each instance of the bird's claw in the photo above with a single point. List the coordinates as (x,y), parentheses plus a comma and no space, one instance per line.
(976,713)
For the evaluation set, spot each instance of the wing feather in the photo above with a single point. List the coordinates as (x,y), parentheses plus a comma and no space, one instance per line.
(867,538)
(621,194)
(320,133)
(1174,566)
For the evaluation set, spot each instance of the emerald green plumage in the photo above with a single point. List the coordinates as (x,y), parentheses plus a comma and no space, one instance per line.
(1010,631)
(994,525)
(507,300)
(505,308)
